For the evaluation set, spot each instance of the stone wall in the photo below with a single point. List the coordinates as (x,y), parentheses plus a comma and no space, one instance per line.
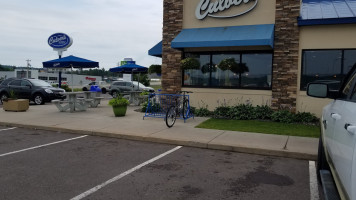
(172,25)
(285,61)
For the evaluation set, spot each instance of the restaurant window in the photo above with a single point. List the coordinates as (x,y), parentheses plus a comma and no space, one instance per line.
(256,70)
(328,66)
(52,78)
(230,70)
(222,76)
(198,77)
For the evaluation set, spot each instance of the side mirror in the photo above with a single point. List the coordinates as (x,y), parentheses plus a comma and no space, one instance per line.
(321,90)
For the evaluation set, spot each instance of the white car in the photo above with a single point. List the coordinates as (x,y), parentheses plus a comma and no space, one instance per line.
(104,86)
(337,143)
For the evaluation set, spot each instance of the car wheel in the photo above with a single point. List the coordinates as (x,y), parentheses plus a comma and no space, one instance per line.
(3,96)
(115,94)
(322,163)
(38,99)
(103,90)
(85,89)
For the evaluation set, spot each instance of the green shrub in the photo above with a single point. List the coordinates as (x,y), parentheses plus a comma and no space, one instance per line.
(203,112)
(66,88)
(242,112)
(221,112)
(283,116)
(305,118)
(263,112)
(144,106)
(143,93)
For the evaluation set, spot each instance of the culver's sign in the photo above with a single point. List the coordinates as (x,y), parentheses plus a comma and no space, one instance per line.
(207,8)
(60,41)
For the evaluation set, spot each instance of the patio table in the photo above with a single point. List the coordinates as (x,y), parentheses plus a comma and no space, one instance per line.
(95,96)
(134,97)
(72,102)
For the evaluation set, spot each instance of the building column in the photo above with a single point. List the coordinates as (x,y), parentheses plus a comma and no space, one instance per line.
(285,61)
(172,25)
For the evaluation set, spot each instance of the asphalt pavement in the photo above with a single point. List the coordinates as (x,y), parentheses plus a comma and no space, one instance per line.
(41,164)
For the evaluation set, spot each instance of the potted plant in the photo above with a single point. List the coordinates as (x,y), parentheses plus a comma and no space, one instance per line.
(119,105)
(13,104)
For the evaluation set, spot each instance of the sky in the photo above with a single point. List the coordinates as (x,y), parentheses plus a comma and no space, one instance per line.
(106,31)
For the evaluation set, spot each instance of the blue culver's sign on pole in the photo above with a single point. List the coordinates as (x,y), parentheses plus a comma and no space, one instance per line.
(60,42)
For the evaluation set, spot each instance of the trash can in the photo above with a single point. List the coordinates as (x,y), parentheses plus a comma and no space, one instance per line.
(95,88)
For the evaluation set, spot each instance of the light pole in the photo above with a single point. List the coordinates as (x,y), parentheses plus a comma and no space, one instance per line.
(28,66)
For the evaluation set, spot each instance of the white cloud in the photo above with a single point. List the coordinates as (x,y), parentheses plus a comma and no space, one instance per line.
(102,30)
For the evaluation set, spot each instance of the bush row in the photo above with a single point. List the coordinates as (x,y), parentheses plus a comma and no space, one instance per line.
(249,112)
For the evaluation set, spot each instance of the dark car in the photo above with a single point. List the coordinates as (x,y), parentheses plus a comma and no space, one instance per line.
(35,90)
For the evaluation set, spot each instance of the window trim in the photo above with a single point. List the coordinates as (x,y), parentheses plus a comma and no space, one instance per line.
(210,53)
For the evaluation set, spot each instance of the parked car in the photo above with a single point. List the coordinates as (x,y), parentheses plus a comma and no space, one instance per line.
(337,143)
(35,90)
(104,86)
(118,87)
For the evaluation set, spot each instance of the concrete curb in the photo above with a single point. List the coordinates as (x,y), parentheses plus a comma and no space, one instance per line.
(240,149)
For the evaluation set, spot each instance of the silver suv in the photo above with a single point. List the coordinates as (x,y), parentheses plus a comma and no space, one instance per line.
(124,87)
(337,143)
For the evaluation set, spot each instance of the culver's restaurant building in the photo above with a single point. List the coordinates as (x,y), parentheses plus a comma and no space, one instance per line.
(281,46)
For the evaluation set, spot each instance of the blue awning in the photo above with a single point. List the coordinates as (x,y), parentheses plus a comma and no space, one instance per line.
(251,35)
(156,50)
(318,12)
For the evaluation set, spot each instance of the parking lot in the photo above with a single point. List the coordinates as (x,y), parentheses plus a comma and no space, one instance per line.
(38,164)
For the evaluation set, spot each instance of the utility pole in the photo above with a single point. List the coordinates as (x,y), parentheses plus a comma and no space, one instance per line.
(28,66)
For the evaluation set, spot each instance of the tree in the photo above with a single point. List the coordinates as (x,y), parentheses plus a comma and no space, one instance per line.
(143,79)
(155,69)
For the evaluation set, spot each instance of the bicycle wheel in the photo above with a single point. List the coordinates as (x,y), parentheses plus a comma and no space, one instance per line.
(171,116)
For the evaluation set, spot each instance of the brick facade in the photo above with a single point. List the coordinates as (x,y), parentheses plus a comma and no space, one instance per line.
(172,25)
(286,52)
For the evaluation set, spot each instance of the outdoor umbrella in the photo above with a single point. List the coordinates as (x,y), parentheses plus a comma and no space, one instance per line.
(129,68)
(70,62)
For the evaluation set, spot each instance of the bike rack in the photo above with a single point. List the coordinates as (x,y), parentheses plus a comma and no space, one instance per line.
(158,104)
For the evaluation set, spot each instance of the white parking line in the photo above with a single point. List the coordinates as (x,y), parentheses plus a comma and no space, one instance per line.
(98,187)
(314,191)
(40,146)
(7,129)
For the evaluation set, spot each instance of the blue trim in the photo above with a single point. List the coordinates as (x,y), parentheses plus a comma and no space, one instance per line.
(156,50)
(251,35)
(320,12)
(350,20)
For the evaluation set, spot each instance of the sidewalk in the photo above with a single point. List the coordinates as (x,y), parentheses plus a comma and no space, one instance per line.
(101,121)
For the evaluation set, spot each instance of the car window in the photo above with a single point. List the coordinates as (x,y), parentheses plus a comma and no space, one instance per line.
(25,83)
(128,83)
(37,82)
(346,90)
(7,81)
(15,83)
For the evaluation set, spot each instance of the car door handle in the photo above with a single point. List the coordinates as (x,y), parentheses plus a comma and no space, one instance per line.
(335,116)
(350,129)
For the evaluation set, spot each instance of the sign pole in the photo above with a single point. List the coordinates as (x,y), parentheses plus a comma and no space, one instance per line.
(60,71)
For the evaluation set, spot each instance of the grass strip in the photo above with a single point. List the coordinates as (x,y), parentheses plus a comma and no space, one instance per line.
(262,127)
